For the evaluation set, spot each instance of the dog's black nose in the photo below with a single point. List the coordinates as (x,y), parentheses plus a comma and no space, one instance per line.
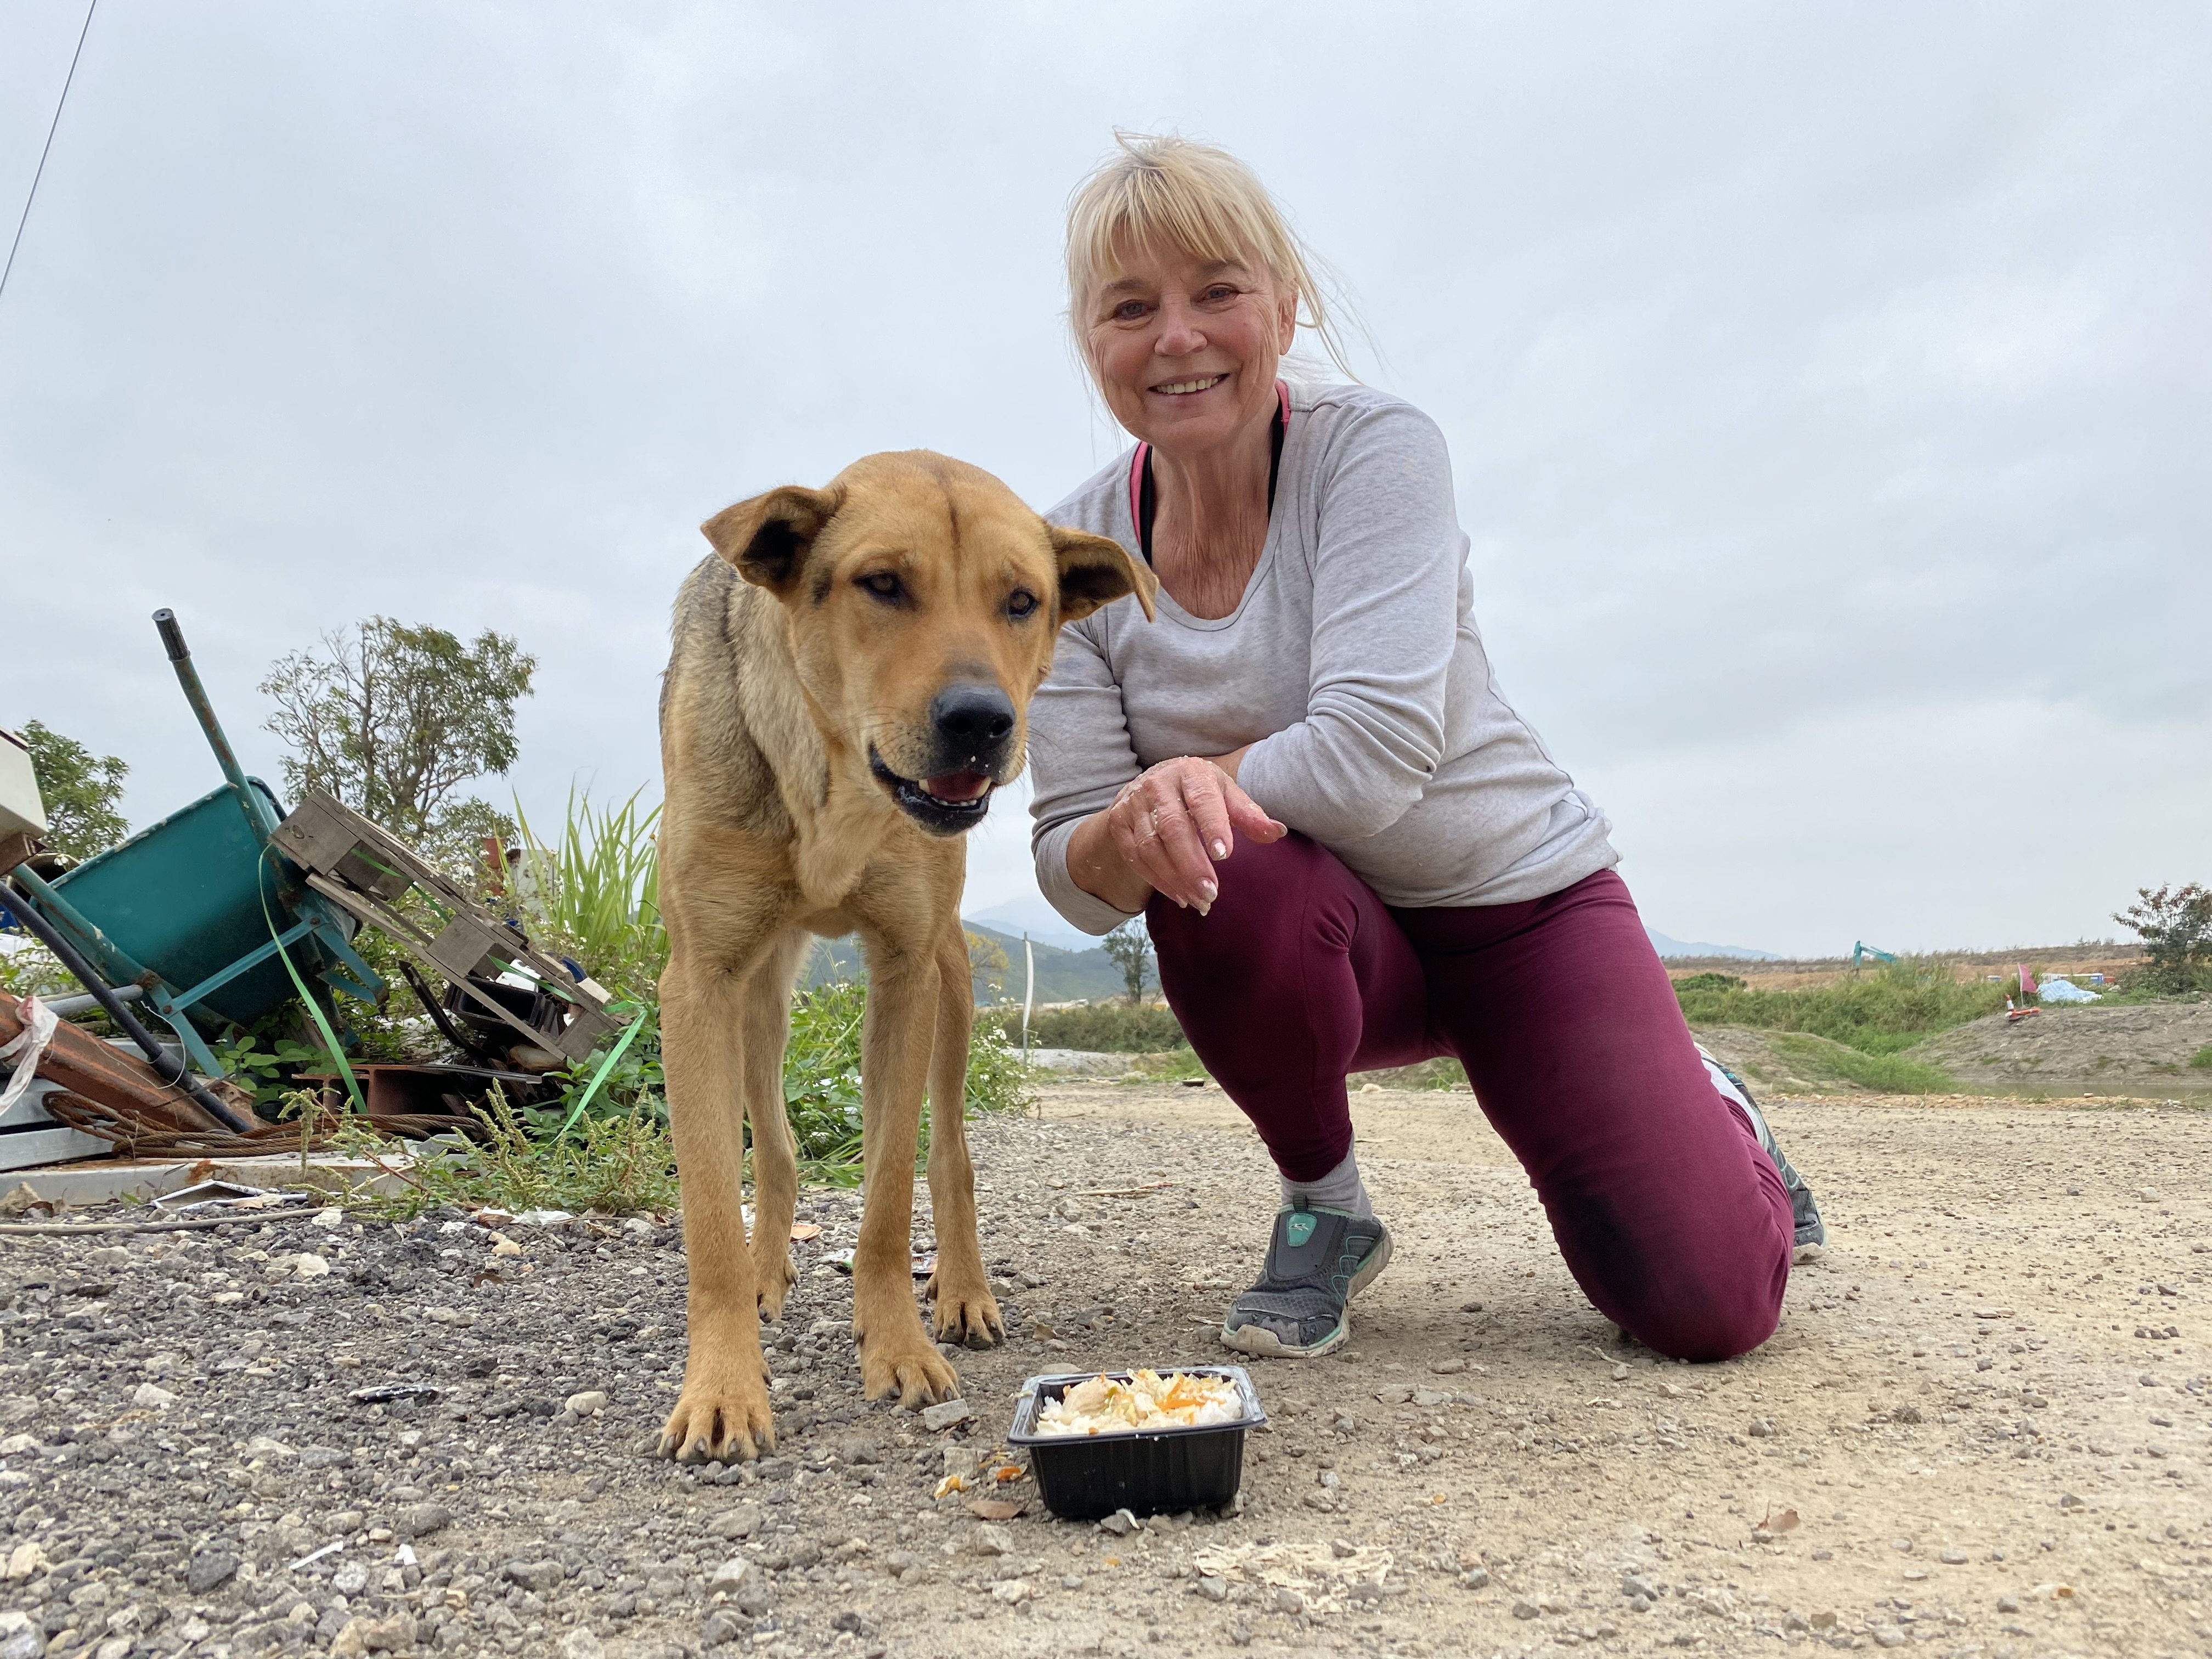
(974,718)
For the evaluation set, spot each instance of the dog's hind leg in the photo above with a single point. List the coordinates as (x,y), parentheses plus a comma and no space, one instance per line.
(966,1311)
(896,1355)
(776,1160)
(723,1413)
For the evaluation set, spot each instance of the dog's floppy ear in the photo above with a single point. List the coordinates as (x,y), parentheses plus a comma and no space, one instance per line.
(1095,571)
(767,539)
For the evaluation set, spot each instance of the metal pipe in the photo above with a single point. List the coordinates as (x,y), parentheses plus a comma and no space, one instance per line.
(84,1003)
(180,659)
(181,1078)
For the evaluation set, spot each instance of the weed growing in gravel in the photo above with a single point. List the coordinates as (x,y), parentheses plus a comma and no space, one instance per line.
(617,1164)
(618,1155)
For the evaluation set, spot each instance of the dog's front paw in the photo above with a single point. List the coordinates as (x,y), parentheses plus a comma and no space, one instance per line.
(722,1416)
(970,1317)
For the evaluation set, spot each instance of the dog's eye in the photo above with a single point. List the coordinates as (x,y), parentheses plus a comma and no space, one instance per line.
(1022,603)
(884,584)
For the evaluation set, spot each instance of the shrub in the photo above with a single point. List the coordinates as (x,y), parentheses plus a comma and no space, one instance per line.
(1108,1028)
(2175,924)
(1709,982)
(1876,1013)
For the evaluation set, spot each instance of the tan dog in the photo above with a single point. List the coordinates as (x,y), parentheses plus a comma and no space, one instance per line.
(850,681)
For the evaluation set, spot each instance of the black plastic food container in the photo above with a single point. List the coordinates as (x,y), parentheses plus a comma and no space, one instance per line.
(1147,1471)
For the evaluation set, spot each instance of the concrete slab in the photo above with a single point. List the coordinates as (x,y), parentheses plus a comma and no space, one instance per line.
(103,1180)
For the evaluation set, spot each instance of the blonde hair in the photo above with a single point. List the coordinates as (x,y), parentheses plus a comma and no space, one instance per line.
(1165,190)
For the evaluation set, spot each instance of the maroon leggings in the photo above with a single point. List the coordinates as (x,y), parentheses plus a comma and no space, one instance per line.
(1673,1221)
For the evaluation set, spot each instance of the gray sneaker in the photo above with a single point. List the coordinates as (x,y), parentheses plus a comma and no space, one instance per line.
(1812,1231)
(1317,1262)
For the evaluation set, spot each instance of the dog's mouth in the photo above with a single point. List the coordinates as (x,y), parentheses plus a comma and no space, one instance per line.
(945,805)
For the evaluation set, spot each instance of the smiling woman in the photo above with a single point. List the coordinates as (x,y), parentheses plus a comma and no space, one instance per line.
(1353,853)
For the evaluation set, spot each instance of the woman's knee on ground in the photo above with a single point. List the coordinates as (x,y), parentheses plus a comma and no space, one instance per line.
(1713,1332)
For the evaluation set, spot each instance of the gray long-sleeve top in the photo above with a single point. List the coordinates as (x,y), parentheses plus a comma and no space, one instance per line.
(1353,666)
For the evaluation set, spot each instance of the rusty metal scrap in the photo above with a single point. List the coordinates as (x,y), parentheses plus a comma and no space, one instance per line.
(106,1075)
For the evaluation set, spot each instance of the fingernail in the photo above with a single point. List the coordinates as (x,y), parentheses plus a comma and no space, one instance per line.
(1220,849)
(1208,892)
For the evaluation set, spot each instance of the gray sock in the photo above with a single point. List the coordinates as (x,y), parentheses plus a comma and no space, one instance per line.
(1341,1188)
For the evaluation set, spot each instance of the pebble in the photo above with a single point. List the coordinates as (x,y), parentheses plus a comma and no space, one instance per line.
(1475,1578)
(730,1576)
(989,1538)
(151,1397)
(1953,1558)
(588,1403)
(308,1265)
(947,1414)
(1120,1523)
(719,1626)
(208,1569)
(743,1522)
(420,1520)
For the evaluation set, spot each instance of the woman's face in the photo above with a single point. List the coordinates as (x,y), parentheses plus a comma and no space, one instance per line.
(1185,348)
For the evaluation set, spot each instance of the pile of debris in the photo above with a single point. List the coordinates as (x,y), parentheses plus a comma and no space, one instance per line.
(231,910)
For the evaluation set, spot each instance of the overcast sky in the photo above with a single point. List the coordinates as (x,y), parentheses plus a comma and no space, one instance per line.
(1827,386)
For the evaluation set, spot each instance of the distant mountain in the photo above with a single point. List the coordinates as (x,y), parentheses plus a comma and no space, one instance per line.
(1675,947)
(1062,975)
(1031,914)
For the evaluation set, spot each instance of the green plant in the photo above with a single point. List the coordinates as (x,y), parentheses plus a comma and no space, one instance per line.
(820,1080)
(2175,925)
(1129,948)
(268,1072)
(28,968)
(1710,983)
(596,892)
(1111,1028)
(2202,1059)
(81,791)
(1876,1013)
(393,718)
(616,1163)
(1816,1058)
(988,966)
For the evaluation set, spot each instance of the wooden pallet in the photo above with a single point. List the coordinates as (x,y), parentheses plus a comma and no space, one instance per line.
(367,870)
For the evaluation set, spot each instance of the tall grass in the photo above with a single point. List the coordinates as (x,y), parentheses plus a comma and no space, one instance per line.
(1879,1012)
(596,889)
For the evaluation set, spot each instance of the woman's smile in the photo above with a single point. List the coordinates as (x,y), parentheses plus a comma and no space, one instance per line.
(1186,388)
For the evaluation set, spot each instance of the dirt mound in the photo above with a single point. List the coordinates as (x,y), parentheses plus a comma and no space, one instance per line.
(2085,1050)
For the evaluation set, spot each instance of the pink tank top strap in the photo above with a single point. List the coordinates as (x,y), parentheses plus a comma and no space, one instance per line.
(1143,450)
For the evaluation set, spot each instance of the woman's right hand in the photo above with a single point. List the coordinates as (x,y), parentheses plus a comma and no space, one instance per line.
(1165,833)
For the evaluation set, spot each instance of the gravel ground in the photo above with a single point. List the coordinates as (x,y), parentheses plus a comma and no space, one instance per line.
(1982,1429)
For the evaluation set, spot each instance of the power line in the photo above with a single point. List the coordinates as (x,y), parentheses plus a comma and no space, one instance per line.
(67,81)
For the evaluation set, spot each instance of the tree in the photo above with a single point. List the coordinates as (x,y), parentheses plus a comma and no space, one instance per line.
(1130,949)
(81,790)
(393,718)
(987,964)
(2176,924)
